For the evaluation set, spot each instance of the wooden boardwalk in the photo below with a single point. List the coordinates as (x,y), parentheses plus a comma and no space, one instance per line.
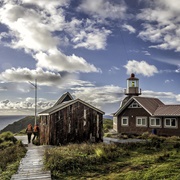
(31,166)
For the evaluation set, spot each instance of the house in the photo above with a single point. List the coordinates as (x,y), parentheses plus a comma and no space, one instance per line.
(137,115)
(70,120)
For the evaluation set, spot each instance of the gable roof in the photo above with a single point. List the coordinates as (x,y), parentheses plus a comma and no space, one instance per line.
(148,103)
(66,104)
(168,110)
(65,97)
(153,106)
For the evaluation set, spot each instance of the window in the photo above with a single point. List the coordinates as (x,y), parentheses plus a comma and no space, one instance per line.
(141,121)
(85,113)
(155,122)
(170,122)
(124,121)
(134,105)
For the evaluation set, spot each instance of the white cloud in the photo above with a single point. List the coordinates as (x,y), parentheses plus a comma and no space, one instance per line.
(165,97)
(95,39)
(168,80)
(146,53)
(129,28)
(86,33)
(48,4)
(108,94)
(24,107)
(178,97)
(21,77)
(24,75)
(162,24)
(141,67)
(113,69)
(55,60)
(34,29)
(103,9)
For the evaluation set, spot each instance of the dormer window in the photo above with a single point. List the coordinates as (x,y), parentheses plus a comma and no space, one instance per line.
(134,105)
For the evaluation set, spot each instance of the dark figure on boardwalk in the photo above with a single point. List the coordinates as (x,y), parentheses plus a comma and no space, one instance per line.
(29,131)
(36,132)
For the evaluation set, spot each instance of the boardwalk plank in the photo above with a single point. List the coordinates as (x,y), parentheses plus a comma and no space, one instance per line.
(31,166)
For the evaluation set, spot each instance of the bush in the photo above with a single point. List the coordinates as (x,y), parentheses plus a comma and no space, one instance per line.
(8,136)
(76,158)
(145,135)
(10,154)
(7,139)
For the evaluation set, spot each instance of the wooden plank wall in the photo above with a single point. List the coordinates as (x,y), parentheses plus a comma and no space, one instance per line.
(75,123)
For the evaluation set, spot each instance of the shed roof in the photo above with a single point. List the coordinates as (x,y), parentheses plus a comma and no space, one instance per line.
(65,97)
(66,104)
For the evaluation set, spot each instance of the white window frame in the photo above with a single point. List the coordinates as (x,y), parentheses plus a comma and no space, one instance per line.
(134,104)
(170,126)
(141,118)
(154,118)
(127,119)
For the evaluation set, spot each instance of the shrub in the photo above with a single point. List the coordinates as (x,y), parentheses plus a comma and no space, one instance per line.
(8,136)
(10,154)
(75,158)
(145,135)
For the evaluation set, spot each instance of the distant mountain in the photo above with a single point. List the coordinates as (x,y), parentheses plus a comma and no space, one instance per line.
(19,125)
(108,117)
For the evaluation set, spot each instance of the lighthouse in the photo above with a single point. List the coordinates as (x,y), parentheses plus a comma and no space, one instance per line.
(132,88)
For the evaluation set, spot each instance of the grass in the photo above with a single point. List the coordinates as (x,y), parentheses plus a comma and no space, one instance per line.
(11,152)
(107,125)
(157,158)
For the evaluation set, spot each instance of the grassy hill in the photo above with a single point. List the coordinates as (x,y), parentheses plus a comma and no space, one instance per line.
(19,125)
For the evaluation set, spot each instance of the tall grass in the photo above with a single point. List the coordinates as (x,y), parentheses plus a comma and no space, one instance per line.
(11,152)
(157,158)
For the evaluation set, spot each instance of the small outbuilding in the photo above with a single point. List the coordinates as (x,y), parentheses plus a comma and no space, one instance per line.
(137,115)
(71,120)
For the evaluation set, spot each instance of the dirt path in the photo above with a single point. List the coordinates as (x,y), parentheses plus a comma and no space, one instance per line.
(111,140)
(31,166)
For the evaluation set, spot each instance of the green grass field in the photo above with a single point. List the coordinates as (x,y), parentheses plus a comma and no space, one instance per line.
(157,158)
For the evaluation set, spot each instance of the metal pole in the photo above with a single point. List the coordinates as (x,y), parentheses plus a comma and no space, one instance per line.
(35,100)
(35,86)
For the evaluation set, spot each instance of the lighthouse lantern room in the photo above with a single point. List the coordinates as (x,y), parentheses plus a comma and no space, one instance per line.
(132,86)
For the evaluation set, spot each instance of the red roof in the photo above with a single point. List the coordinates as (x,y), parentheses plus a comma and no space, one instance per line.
(148,103)
(168,110)
(153,106)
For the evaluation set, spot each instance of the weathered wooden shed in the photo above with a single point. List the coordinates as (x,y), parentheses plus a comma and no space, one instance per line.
(71,120)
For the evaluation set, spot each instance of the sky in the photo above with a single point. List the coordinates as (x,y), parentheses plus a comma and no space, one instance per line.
(88,48)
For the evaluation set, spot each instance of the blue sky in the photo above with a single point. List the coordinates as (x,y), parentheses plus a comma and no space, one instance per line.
(89,48)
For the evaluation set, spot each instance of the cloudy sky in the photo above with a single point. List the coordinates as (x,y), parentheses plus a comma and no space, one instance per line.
(89,48)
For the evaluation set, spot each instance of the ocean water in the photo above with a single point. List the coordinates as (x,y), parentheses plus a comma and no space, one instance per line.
(6,120)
